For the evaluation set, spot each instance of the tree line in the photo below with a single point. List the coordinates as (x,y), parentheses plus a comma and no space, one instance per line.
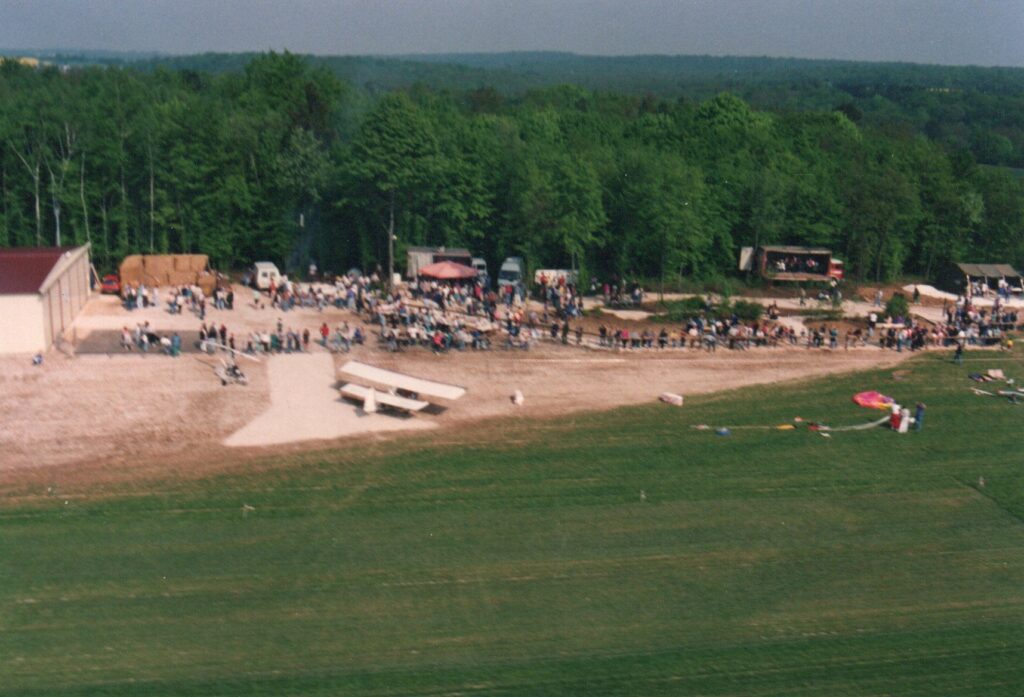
(978,109)
(284,161)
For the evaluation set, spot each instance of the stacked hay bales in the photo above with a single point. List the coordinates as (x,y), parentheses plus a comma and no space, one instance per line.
(168,270)
(131,270)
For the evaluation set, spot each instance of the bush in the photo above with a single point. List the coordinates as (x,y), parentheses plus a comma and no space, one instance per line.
(747,311)
(723,285)
(678,311)
(681,310)
(897,306)
(825,315)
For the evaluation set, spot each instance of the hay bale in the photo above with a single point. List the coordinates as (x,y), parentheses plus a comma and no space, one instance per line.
(207,282)
(182,262)
(198,262)
(131,269)
(158,265)
(153,279)
(182,278)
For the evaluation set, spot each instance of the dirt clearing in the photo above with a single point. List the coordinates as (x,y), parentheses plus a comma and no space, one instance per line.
(97,414)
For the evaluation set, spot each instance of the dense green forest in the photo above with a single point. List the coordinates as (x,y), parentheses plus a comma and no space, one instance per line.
(963,107)
(276,156)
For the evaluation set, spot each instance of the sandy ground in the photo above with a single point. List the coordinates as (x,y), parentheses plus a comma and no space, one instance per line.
(112,411)
(558,380)
(305,405)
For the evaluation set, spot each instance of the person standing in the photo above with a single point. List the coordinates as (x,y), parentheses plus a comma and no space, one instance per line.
(919,416)
(894,417)
(904,420)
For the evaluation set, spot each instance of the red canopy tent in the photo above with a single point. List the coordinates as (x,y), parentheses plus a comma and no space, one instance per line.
(448,271)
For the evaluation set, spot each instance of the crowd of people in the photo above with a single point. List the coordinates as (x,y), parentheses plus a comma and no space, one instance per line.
(465,315)
(793,263)
(144,339)
(980,288)
(354,291)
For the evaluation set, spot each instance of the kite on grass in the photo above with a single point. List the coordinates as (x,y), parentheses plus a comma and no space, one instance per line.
(873,400)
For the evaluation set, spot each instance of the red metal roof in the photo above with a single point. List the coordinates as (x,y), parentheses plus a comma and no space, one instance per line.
(24,270)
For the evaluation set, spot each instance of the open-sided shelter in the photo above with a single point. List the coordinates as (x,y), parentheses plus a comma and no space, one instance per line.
(991,273)
(42,290)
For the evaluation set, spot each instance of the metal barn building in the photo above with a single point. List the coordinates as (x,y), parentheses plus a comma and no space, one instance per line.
(42,290)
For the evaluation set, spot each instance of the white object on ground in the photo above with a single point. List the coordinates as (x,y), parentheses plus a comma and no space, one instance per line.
(672,398)
(304,405)
(370,403)
(363,394)
(517,398)
(424,388)
(627,314)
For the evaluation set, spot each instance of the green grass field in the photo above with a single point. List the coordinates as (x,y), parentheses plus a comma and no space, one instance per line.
(765,563)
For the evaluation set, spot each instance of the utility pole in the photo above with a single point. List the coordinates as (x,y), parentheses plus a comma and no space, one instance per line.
(391,243)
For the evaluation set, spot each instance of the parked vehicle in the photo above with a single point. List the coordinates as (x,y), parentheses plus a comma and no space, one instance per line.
(263,272)
(512,272)
(792,263)
(482,274)
(111,283)
(418,257)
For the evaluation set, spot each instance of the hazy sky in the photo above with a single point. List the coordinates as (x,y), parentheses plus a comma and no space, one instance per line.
(983,32)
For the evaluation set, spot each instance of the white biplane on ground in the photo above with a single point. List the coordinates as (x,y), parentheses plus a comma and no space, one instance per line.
(397,391)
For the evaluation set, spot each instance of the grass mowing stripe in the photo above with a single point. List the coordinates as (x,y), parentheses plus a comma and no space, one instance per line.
(769,562)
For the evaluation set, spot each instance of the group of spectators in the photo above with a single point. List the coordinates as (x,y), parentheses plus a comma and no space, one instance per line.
(968,324)
(352,290)
(982,289)
(143,339)
(291,340)
(456,317)
(465,315)
(963,324)
(139,296)
(702,333)
(795,264)
(614,295)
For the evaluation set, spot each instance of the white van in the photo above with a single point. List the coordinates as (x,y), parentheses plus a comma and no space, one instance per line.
(263,272)
(481,267)
(512,273)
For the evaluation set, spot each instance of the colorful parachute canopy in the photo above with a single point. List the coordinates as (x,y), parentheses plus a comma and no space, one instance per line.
(872,400)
